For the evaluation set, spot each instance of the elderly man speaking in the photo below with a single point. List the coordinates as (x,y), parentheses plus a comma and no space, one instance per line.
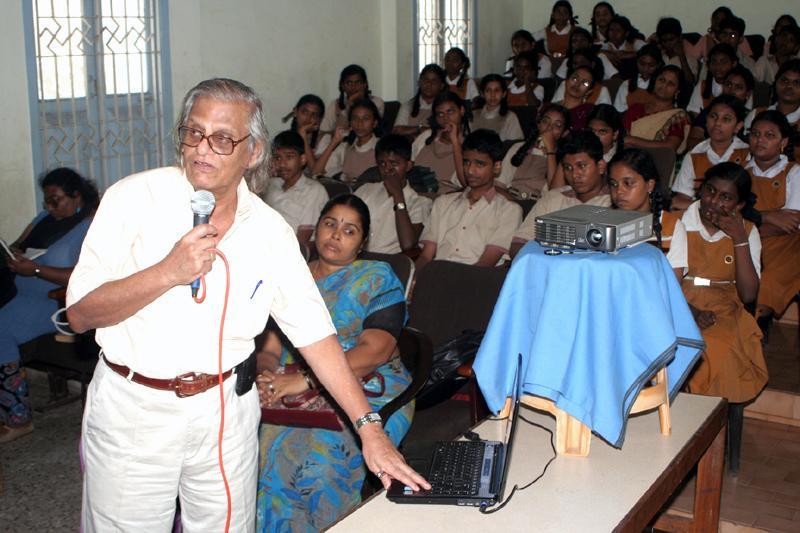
(151,428)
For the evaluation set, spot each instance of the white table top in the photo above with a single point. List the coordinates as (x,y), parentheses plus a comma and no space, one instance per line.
(591,493)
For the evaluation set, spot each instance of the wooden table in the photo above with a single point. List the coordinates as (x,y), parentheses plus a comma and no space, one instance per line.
(610,490)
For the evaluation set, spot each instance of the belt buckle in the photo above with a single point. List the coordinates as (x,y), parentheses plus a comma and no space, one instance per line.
(188,385)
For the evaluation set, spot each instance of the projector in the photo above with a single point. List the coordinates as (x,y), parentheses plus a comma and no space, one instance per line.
(589,227)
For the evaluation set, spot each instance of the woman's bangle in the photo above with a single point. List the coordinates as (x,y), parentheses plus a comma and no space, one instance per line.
(742,244)
(309,381)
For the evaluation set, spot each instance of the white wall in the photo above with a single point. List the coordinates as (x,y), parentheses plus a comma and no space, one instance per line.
(16,164)
(497,20)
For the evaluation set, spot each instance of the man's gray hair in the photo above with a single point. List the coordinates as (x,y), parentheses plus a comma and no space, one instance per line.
(229,90)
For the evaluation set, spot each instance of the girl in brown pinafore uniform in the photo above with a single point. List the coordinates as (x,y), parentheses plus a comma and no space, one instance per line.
(715,253)
(776,183)
(352,150)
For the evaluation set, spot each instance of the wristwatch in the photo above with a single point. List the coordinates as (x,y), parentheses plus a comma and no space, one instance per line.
(370,418)
(400,206)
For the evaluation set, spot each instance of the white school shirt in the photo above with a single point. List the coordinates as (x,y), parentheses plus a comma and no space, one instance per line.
(609,69)
(792,179)
(621,99)
(603,98)
(678,255)
(510,129)
(404,114)
(328,123)
(382,228)
(538,92)
(541,35)
(792,117)
(684,182)
(461,232)
(472,89)
(637,45)
(553,200)
(139,220)
(545,67)
(675,60)
(300,205)
(696,101)
(336,160)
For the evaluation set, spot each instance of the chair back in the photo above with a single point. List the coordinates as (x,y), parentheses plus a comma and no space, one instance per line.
(401,264)
(664,158)
(612,86)
(390,110)
(526,114)
(416,352)
(549,84)
(334,187)
(761,94)
(451,297)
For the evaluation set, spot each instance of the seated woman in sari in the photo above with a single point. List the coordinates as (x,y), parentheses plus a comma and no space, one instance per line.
(58,231)
(310,477)
(661,121)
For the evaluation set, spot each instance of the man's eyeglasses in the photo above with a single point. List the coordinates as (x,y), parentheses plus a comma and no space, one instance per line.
(219,144)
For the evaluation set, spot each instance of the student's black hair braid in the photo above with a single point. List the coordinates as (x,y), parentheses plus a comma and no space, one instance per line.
(440,73)
(351,70)
(651,50)
(724,49)
(485,81)
(306,99)
(641,162)
(364,103)
(447,96)
(519,156)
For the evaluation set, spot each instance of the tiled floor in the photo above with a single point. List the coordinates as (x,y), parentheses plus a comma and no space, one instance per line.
(40,483)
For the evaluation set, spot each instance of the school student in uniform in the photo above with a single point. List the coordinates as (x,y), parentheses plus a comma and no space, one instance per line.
(297,198)
(413,115)
(352,150)
(397,212)
(787,93)
(634,91)
(602,13)
(492,111)
(456,65)
(725,120)
(556,34)
(776,183)
(721,60)
(523,41)
(524,88)
(669,36)
(786,47)
(353,85)
(715,253)
(473,226)
(581,155)
(306,119)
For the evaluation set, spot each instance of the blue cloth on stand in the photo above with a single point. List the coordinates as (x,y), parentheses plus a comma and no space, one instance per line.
(27,315)
(592,329)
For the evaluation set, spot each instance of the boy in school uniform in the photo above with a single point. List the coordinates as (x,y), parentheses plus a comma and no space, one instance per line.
(472,226)
(397,212)
(581,156)
(297,198)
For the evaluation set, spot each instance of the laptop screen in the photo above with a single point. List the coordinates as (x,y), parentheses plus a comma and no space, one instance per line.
(511,426)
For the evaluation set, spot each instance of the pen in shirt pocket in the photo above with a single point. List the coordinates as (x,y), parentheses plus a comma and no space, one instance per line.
(256,289)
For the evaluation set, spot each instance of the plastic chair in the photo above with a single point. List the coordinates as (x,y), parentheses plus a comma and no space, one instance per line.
(664,158)
(416,352)
(390,110)
(401,264)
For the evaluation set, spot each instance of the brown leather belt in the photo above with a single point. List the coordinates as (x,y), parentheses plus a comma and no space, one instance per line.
(184,385)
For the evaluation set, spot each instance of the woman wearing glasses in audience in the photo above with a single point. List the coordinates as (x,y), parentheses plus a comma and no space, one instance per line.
(787,92)
(44,256)
(530,166)
(660,122)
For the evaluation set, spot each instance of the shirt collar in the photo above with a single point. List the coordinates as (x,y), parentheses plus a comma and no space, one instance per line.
(792,117)
(488,195)
(565,31)
(705,148)
(691,220)
(642,83)
(772,171)
(244,200)
(367,146)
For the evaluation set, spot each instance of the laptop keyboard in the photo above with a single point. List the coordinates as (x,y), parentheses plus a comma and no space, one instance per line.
(456,468)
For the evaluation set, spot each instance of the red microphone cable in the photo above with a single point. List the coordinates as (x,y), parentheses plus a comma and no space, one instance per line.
(200,299)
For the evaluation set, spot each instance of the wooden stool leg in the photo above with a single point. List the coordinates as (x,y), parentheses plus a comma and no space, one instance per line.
(735,423)
(663,409)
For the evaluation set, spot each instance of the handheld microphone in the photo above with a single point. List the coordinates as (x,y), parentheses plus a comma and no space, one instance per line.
(202,203)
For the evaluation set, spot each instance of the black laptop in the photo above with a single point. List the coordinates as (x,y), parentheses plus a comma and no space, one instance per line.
(466,472)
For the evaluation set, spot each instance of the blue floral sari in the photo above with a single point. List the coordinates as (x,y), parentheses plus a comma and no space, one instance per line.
(310,477)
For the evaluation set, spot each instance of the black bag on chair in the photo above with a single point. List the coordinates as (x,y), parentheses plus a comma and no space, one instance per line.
(443,381)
